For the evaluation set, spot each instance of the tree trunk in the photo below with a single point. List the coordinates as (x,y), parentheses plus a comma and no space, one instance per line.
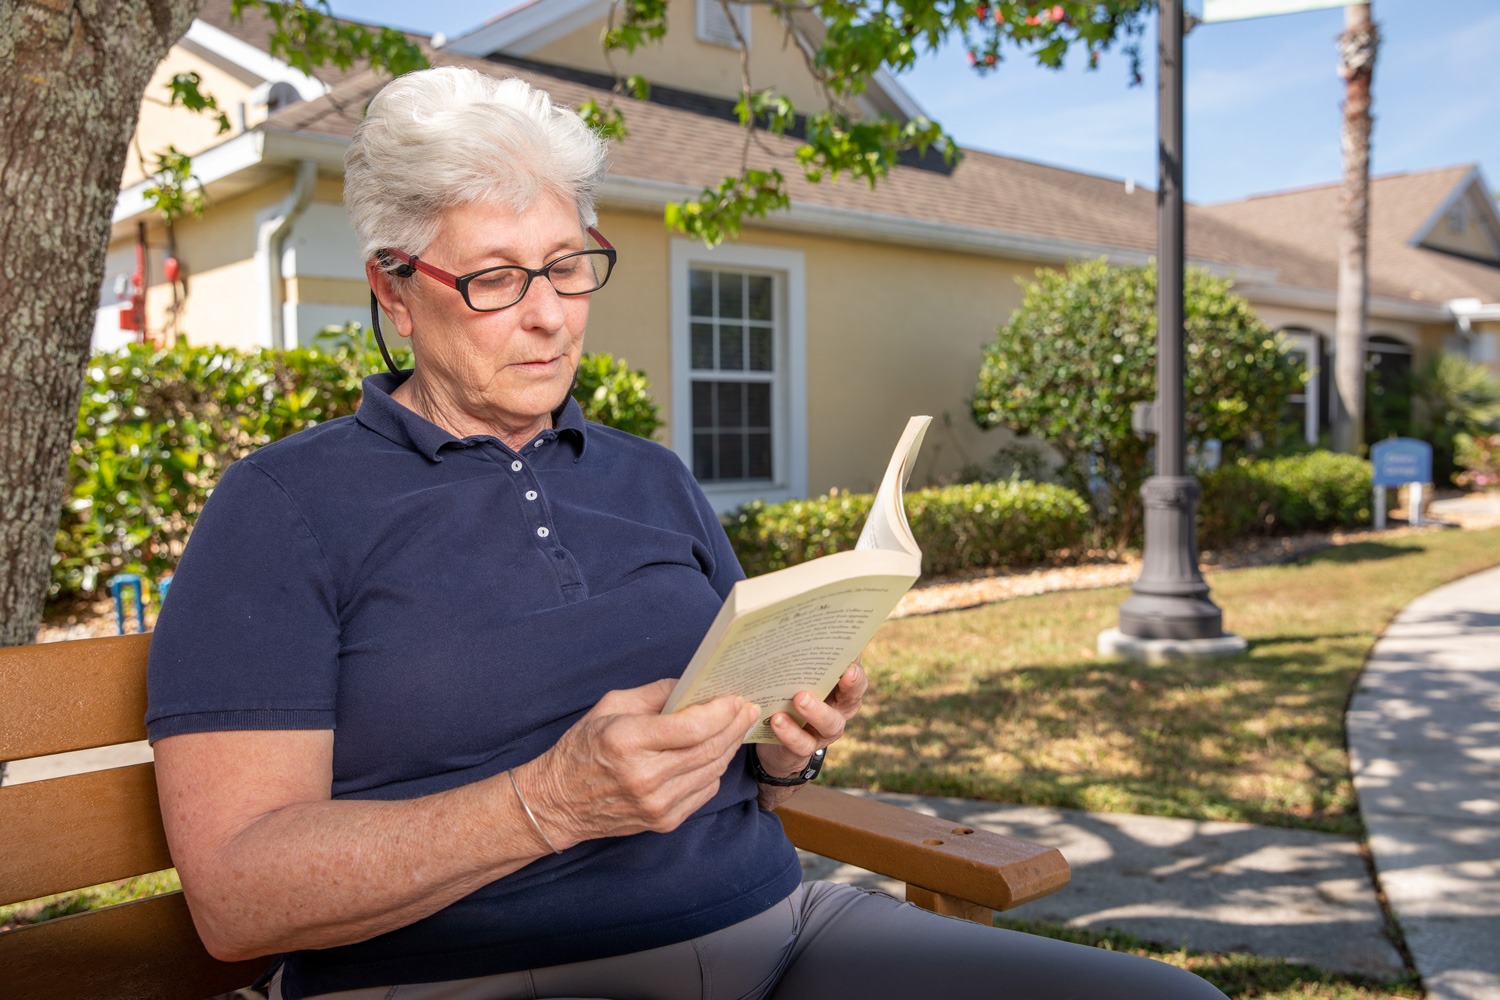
(1357,47)
(72,74)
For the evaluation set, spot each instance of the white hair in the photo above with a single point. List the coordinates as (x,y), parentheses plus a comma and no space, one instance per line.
(442,137)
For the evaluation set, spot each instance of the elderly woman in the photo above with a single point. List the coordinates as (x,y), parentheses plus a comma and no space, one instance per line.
(405,696)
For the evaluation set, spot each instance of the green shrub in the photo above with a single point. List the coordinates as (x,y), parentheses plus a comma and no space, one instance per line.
(611,392)
(965,527)
(156,429)
(1079,353)
(1316,491)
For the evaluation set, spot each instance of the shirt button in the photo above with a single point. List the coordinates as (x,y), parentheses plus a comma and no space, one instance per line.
(531,494)
(515,466)
(538,443)
(542,532)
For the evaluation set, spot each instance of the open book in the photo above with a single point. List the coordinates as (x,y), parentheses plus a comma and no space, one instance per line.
(799,628)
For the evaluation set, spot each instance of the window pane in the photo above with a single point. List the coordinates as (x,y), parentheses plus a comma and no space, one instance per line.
(703,405)
(731,348)
(759,458)
(731,295)
(703,457)
(730,411)
(729,451)
(758,406)
(701,293)
(703,346)
(761,359)
(759,297)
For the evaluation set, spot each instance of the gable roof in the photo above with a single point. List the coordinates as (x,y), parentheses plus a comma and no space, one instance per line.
(1402,209)
(520,32)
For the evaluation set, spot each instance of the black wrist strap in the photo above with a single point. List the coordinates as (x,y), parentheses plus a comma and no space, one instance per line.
(809,771)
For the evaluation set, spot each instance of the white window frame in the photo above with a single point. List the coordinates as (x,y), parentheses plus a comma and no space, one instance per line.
(789,414)
(715,29)
(1310,346)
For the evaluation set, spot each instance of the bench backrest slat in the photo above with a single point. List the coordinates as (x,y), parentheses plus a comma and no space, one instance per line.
(80,830)
(61,696)
(144,950)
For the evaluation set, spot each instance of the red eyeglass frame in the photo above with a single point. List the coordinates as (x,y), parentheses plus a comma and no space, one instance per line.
(460,282)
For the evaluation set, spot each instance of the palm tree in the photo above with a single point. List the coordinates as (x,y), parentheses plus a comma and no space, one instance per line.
(1357,47)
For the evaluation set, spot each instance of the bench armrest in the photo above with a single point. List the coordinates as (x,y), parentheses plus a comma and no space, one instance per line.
(953,863)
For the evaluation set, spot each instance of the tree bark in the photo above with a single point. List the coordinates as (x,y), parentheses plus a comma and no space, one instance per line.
(72,74)
(1357,48)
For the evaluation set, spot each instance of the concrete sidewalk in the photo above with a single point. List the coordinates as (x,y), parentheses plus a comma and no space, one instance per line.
(1424,740)
(1224,887)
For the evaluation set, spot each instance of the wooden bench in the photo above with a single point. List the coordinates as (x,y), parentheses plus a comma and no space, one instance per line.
(66,833)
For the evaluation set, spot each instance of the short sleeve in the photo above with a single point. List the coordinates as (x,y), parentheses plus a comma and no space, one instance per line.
(248,636)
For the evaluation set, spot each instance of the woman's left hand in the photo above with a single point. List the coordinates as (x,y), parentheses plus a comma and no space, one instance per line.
(825,722)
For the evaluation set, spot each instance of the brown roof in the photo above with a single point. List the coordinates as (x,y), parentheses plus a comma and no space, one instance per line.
(1307,220)
(1292,235)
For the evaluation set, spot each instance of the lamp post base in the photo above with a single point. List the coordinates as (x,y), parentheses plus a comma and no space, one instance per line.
(1113,642)
(1170,600)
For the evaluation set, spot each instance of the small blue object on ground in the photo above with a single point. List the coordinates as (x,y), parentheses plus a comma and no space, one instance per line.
(120,585)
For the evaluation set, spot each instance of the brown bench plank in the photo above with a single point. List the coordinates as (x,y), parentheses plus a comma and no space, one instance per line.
(61,696)
(934,854)
(144,950)
(80,830)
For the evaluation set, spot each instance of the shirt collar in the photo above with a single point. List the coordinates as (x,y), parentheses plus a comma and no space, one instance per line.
(403,426)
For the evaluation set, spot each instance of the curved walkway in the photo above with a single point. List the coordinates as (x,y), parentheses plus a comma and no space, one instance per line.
(1424,742)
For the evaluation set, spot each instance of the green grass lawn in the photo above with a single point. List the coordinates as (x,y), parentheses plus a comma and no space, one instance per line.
(1010,702)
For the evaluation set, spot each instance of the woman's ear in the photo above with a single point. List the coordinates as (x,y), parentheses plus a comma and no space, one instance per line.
(392,303)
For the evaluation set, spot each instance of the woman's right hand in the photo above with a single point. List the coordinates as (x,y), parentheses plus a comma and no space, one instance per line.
(624,767)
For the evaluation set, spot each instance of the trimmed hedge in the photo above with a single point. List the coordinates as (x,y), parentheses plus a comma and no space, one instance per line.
(966,527)
(1316,491)
(156,429)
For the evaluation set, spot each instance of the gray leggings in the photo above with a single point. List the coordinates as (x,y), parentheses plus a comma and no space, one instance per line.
(826,942)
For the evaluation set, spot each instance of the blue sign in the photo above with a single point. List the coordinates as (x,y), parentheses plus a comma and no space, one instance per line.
(1399,461)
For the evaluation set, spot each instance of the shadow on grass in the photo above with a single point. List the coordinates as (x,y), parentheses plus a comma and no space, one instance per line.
(1257,738)
(1363,552)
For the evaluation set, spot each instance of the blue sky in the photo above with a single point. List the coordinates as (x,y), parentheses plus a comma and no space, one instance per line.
(1263,97)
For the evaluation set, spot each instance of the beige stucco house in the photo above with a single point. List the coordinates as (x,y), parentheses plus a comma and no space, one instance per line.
(786,362)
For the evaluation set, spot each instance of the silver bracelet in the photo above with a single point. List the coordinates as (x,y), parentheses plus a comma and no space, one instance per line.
(531,815)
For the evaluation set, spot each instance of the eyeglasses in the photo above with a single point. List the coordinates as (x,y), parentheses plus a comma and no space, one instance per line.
(497,288)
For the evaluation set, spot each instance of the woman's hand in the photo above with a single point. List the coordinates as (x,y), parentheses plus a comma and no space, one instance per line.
(624,767)
(825,723)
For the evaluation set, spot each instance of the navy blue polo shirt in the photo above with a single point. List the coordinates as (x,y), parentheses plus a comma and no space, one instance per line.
(449,607)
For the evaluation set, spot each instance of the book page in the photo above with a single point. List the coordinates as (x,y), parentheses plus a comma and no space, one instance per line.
(886,527)
(799,628)
(800,644)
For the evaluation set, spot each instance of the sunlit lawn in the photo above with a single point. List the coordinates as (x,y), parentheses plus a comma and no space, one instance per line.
(1009,702)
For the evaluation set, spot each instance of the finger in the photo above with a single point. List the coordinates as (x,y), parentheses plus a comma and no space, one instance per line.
(794,737)
(852,685)
(644,699)
(647,729)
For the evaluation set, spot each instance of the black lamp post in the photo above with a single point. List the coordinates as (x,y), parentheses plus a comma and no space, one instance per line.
(1170,602)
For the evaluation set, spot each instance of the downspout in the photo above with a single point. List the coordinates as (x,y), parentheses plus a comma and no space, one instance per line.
(270,239)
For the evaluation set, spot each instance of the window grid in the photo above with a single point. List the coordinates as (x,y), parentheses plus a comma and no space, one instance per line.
(732,347)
